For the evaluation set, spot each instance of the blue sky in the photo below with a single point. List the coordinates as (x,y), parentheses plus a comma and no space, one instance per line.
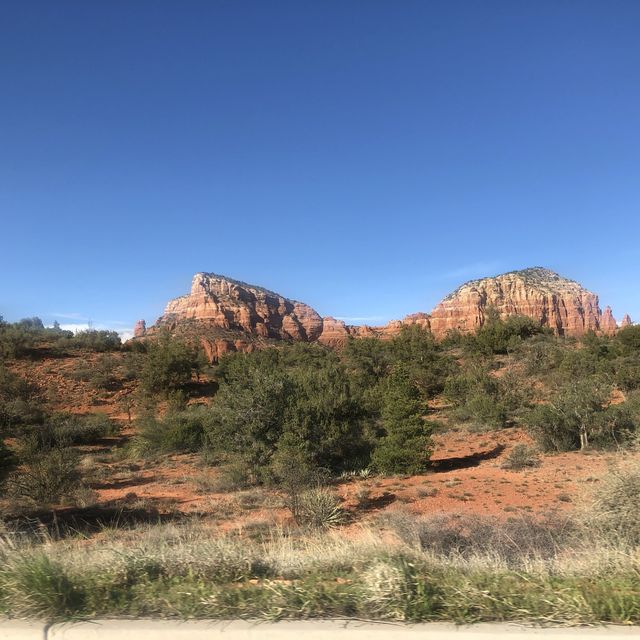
(362,156)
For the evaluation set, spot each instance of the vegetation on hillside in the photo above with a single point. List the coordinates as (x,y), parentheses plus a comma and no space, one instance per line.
(373,405)
(294,421)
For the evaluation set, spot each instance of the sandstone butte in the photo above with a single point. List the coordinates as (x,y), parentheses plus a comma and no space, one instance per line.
(229,315)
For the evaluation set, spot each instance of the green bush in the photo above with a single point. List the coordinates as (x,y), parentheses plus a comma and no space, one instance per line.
(540,355)
(101,375)
(19,404)
(18,340)
(415,350)
(65,430)
(22,338)
(46,478)
(405,446)
(483,410)
(169,365)
(614,510)
(234,475)
(485,400)
(627,372)
(275,394)
(498,336)
(578,416)
(92,340)
(367,360)
(629,339)
(177,432)
(522,456)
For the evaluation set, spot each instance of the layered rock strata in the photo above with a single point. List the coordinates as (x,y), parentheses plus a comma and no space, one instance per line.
(553,301)
(228,315)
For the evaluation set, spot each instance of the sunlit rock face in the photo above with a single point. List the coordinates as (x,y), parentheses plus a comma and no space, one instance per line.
(233,305)
(227,315)
(556,302)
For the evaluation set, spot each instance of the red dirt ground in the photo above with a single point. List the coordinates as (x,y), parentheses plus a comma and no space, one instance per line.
(467,477)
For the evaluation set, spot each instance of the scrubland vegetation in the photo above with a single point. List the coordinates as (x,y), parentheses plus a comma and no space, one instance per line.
(288,428)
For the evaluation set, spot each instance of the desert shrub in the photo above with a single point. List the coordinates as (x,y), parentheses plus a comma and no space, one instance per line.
(498,336)
(132,364)
(626,373)
(23,338)
(235,474)
(269,396)
(617,425)
(294,473)
(75,429)
(482,410)
(82,371)
(415,350)
(405,446)
(176,432)
(629,339)
(292,468)
(367,361)
(247,417)
(19,404)
(614,508)
(92,340)
(583,362)
(18,411)
(64,430)
(540,355)
(485,400)
(177,400)
(46,478)
(577,416)
(16,340)
(320,508)
(169,365)
(101,374)
(105,375)
(13,386)
(324,412)
(522,456)
(517,539)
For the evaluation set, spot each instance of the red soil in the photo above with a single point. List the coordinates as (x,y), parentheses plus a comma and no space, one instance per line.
(467,477)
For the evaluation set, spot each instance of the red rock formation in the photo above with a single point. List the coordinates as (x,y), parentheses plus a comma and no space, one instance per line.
(227,315)
(626,321)
(140,329)
(543,295)
(335,333)
(608,324)
(232,305)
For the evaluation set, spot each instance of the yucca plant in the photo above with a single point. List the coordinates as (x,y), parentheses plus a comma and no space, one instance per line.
(319,508)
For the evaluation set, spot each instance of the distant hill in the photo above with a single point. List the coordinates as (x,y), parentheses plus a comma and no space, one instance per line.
(230,315)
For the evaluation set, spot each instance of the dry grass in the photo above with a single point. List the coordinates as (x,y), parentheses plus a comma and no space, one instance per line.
(394,571)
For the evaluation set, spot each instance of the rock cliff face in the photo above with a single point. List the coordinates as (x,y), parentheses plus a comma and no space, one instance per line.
(236,306)
(228,315)
(626,321)
(561,304)
(140,329)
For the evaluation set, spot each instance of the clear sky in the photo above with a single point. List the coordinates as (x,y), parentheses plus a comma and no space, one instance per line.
(363,156)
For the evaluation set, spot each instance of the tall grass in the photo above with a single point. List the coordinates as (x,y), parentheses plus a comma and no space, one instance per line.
(186,571)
